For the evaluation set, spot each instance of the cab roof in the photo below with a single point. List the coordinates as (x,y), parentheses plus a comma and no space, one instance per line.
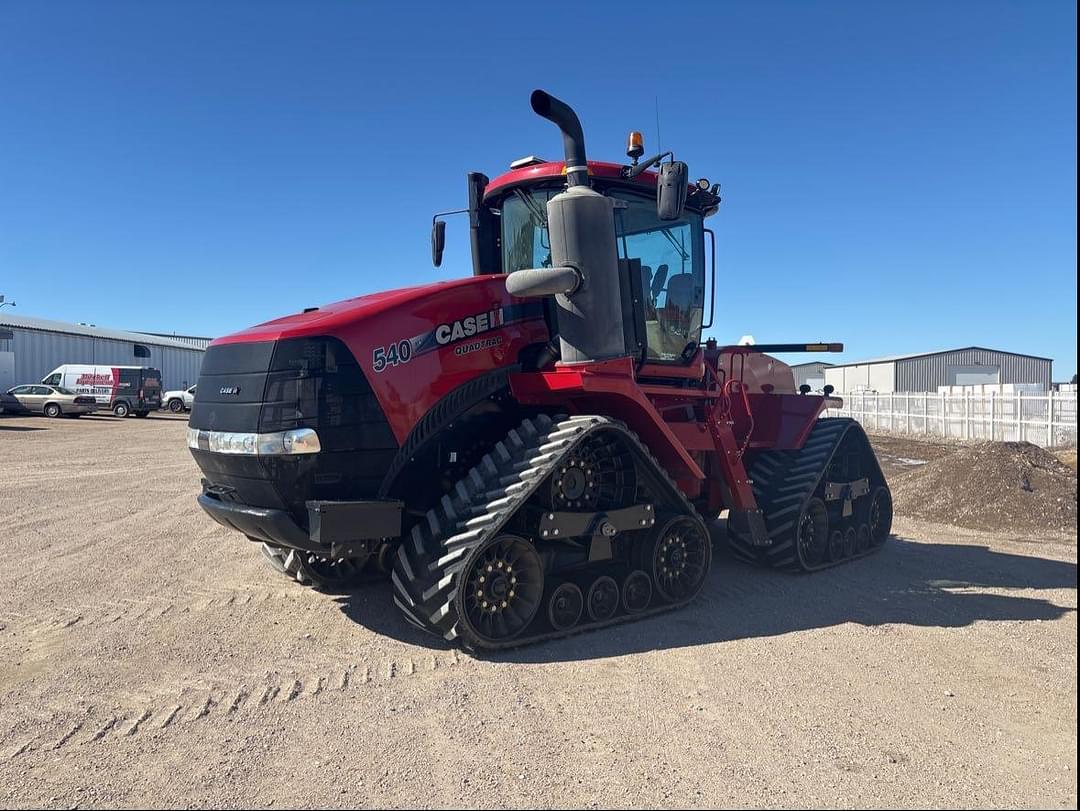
(610,173)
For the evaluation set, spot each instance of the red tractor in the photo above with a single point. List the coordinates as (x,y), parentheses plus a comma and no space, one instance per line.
(529,452)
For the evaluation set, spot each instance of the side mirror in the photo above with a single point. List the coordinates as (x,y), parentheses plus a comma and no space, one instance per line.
(438,241)
(671,186)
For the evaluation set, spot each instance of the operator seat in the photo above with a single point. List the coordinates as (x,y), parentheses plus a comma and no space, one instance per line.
(680,292)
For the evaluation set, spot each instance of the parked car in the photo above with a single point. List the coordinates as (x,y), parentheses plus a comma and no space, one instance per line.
(52,401)
(178,400)
(123,389)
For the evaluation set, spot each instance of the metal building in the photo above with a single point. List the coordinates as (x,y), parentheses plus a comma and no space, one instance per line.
(811,374)
(30,348)
(197,341)
(969,366)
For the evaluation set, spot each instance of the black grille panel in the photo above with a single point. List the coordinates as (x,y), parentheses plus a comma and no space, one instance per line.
(295,383)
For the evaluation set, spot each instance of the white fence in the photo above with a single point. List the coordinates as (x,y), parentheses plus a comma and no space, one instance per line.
(1047,419)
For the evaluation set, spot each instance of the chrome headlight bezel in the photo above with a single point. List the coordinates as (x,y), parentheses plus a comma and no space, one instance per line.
(298,441)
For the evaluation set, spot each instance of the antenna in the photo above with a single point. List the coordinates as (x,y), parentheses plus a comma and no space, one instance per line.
(656,101)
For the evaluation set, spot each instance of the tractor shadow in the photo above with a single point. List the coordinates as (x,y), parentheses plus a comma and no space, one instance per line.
(911,583)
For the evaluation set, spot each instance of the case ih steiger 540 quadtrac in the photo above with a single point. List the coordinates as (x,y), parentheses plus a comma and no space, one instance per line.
(529,452)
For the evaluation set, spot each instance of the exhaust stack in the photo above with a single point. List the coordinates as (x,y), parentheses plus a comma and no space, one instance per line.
(561,114)
(584,276)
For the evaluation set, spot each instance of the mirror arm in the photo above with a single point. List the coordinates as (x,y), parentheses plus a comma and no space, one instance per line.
(631,172)
(436,255)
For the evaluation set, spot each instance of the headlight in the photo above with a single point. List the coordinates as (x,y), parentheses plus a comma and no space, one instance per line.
(280,443)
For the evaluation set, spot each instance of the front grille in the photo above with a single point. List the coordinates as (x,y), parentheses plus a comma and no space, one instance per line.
(294,383)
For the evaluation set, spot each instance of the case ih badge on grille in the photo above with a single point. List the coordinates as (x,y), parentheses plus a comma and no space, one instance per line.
(546,470)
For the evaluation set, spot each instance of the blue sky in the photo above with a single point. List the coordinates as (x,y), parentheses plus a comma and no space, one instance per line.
(900,177)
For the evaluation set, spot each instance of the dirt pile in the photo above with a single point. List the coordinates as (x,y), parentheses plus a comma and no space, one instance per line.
(1010,487)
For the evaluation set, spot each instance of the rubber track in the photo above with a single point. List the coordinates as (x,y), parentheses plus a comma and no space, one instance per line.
(783,481)
(429,561)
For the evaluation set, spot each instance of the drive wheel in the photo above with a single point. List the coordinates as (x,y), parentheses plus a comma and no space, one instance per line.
(880,516)
(121,410)
(598,475)
(52,410)
(812,532)
(603,599)
(565,607)
(636,592)
(308,569)
(502,588)
(176,405)
(681,554)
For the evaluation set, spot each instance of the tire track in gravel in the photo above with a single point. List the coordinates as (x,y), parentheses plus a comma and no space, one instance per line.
(189,708)
(151,609)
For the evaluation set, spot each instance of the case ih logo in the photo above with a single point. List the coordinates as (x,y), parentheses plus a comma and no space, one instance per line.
(468,327)
(90,379)
(234,390)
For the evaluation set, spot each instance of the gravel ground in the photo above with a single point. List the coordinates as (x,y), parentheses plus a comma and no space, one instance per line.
(148,658)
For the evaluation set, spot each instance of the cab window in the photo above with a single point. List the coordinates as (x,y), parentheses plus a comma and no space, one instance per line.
(672,257)
(52,380)
(525,242)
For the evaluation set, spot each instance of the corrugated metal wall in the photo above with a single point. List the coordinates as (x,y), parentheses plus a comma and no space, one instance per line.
(807,372)
(38,352)
(862,377)
(929,372)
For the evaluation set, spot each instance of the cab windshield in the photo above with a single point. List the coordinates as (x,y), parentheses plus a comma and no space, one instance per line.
(672,257)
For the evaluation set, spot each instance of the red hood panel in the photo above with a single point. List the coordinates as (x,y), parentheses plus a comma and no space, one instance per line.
(417,344)
(330,318)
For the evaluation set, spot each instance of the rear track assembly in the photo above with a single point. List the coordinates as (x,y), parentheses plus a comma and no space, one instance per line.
(824,504)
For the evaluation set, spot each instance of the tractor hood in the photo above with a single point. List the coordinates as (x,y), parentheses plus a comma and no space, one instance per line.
(331,318)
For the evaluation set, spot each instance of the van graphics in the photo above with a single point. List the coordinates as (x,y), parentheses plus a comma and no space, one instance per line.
(459,333)
(92,379)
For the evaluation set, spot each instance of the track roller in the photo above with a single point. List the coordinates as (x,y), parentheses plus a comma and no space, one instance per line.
(636,591)
(565,606)
(603,599)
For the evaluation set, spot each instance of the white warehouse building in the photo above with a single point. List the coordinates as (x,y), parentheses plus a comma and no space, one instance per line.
(968,366)
(31,347)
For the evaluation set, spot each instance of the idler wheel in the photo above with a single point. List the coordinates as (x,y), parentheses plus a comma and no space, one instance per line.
(503,588)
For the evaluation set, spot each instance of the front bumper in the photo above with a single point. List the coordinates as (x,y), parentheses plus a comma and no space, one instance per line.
(337,528)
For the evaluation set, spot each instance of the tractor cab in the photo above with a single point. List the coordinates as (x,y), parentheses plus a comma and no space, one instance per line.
(665,258)
(661,260)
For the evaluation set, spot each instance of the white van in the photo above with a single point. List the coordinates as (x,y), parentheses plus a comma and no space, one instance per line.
(124,389)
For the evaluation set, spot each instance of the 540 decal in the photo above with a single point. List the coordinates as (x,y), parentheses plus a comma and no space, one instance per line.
(392,355)
(452,332)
